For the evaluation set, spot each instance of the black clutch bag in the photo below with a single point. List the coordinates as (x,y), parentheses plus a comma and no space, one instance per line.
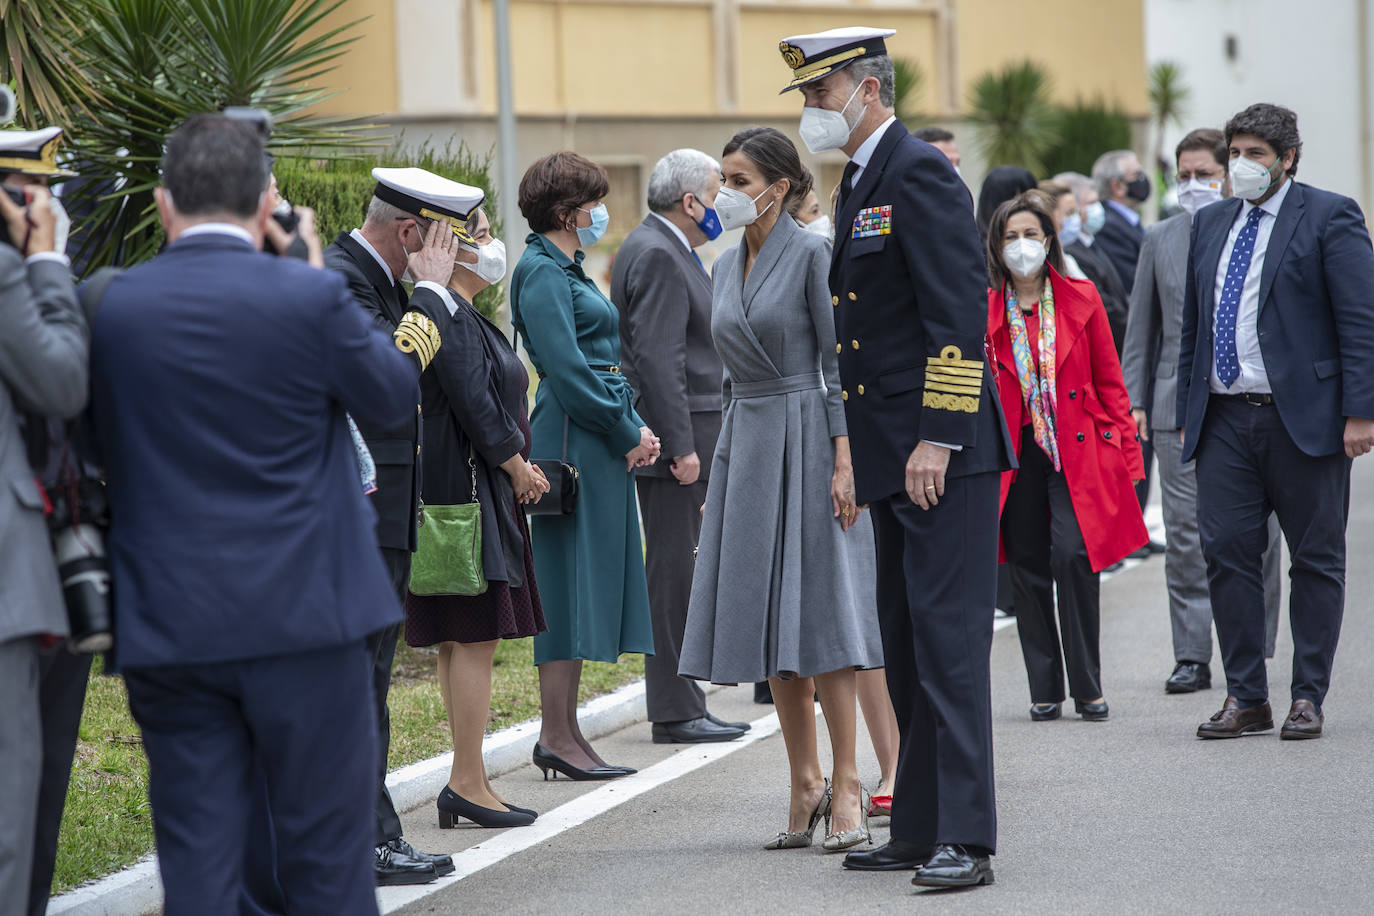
(562,496)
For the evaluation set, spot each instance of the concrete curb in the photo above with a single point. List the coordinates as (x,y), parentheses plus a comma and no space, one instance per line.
(137,889)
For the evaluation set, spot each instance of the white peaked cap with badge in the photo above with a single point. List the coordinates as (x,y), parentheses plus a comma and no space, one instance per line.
(33,152)
(431,196)
(818,55)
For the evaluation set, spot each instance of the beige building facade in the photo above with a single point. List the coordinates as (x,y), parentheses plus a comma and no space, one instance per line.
(624,81)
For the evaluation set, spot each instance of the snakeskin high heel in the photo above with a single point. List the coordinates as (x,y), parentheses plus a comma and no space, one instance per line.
(836,842)
(785,840)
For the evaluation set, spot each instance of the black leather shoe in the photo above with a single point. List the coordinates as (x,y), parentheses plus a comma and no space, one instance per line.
(395,868)
(1044,712)
(443,863)
(453,807)
(1091,712)
(954,866)
(1233,722)
(547,761)
(742,726)
(763,694)
(1189,677)
(894,855)
(693,731)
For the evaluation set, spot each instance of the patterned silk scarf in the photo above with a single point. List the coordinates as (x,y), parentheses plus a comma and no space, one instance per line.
(1037,383)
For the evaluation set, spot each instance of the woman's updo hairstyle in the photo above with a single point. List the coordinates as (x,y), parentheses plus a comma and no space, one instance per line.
(776,158)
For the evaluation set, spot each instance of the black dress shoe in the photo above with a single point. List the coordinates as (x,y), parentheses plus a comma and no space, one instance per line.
(395,868)
(1189,677)
(443,863)
(1233,722)
(954,866)
(763,694)
(1156,547)
(693,731)
(742,726)
(1044,712)
(894,855)
(1303,722)
(1091,712)
(547,761)
(453,807)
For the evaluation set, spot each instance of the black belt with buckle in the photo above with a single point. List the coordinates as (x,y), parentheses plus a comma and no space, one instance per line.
(1253,398)
(613,370)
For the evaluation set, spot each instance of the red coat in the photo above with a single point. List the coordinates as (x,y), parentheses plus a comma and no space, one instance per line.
(1098,447)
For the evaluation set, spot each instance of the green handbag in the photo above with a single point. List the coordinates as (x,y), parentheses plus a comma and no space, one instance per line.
(448,557)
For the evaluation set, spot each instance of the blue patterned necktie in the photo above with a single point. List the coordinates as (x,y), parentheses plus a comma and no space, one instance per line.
(699,264)
(1227,360)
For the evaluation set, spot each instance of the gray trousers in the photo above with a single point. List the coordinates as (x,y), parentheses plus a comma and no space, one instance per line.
(672,524)
(1185,568)
(21,761)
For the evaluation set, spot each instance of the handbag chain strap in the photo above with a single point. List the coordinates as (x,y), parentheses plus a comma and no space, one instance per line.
(472,467)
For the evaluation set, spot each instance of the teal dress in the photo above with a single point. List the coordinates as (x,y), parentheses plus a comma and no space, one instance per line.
(590,564)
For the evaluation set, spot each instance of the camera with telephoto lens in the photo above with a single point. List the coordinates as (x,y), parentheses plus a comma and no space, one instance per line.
(78,521)
(285,214)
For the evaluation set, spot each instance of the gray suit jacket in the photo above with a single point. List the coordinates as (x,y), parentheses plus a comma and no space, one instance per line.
(1156,320)
(664,298)
(43,353)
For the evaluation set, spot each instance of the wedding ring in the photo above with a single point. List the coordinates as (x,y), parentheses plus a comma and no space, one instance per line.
(930,487)
(844,510)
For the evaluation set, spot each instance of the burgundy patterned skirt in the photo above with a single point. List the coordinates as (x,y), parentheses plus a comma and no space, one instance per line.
(501,612)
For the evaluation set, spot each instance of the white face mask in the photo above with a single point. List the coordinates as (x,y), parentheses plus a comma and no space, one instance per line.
(63,226)
(821,226)
(822,129)
(1071,229)
(491,261)
(1250,179)
(1196,193)
(736,209)
(1094,216)
(1024,257)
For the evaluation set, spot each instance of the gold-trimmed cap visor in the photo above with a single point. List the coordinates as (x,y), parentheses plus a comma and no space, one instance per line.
(32,152)
(815,56)
(431,196)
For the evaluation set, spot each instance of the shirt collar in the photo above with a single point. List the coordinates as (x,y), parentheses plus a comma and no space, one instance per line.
(866,149)
(1272,205)
(357,236)
(1131,216)
(237,232)
(681,236)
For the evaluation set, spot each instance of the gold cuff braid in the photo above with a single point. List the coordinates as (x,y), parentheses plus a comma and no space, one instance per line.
(952,382)
(417,334)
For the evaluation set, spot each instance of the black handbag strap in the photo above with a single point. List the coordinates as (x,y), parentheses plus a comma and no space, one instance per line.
(515,327)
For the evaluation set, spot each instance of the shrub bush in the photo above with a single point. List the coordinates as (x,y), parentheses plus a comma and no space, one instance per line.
(1084,131)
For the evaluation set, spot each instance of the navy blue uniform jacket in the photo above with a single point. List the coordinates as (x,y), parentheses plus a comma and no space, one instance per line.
(219,379)
(910,297)
(1316,317)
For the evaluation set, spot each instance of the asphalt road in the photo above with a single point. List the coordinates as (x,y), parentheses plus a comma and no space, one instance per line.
(1135,815)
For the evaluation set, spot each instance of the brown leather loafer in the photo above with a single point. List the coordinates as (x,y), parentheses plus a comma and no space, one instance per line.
(1303,722)
(1233,722)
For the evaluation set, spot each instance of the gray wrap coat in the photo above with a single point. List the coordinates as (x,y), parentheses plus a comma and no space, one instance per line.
(774,593)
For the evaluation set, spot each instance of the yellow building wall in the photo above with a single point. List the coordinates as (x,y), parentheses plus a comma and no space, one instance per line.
(365,77)
(1090,48)
(763,73)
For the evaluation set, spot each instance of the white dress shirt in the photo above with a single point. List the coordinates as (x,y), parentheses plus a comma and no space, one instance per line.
(1253,378)
(866,150)
(357,236)
(237,232)
(681,236)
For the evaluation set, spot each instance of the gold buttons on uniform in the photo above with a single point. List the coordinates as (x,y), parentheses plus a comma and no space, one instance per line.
(844,395)
(417,449)
(838,348)
(853,298)
(854,344)
(861,390)
(418,411)
(834,300)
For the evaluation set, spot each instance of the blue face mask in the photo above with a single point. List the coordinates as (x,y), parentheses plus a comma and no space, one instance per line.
(709,224)
(1071,229)
(1095,216)
(590,235)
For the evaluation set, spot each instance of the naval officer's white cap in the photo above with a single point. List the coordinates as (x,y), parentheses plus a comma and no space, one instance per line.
(33,152)
(818,55)
(431,196)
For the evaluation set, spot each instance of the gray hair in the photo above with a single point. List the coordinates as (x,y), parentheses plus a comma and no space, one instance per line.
(880,68)
(681,172)
(380,213)
(1077,183)
(1110,167)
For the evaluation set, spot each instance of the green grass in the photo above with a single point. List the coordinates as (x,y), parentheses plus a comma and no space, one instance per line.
(109,825)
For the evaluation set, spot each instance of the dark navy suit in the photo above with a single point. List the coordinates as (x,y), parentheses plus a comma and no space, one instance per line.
(910,290)
(1316,336)
(246,574)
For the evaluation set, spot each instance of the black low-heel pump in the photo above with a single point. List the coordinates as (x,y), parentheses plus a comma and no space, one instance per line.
(1091,712)
(552,762)
(454,807)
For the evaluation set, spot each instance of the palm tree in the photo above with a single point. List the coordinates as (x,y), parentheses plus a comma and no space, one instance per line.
(908,83)
(1013,108)
(38,50)
(1168,98)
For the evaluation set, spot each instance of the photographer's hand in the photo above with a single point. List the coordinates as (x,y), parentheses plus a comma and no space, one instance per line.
(434,262)
(16,221)
(42,221)
(310,235)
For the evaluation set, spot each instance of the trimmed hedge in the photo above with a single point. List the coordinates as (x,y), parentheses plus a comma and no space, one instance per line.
(1086,130)
(339,191)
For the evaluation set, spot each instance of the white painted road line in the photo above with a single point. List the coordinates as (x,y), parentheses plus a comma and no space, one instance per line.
(576,812)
